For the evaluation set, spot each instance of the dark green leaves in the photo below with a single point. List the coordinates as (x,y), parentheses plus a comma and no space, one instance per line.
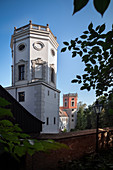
(90,26)
(102,28)
(17,143)
(3,102)
(101,5)
(78,5)
(83,36)
(63,49)
(96,52)
(66,43)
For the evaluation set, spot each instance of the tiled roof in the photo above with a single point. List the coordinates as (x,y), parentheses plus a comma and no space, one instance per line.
(62,113)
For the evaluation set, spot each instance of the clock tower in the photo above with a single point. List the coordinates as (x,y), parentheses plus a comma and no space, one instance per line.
(34,73)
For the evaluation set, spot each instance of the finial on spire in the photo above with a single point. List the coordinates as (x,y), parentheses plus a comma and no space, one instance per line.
(47,25)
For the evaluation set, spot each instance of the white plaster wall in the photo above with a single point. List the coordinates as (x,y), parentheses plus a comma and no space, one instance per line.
(12,91)
(29,97)
(21,55)
(34,54)
(51,111)
(52,59)
(39,104)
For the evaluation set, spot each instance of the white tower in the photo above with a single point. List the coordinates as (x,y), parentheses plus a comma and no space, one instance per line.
(34,72)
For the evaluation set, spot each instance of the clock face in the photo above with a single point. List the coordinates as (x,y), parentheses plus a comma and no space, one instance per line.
(21,47)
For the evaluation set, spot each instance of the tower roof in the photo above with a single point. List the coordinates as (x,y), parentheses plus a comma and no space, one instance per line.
(33,27)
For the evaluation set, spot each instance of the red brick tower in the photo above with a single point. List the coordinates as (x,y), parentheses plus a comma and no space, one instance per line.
(70,101)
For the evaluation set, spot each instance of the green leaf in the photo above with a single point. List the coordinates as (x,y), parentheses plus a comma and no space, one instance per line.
(79,77)
(101,5)
(85,58)
(85,50)
(74,54)
(78,5)
(85,32)
(6,123)
(74,81)
(102,28)
(83,88)
(92,61)
(4,102)
(20,150)
(5,112)
(69,48)
(83,36)
(80,81)
(80,53)
(76,48)
(76,39)
(63,49)
(100,43)
(66,43)
(90,26)
(84,76)
(97,28)
(95,49)
(79,42)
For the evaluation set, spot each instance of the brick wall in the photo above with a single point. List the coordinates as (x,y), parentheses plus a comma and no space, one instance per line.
(79,143)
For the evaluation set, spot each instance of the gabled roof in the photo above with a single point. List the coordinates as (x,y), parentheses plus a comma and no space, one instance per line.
(62,113)
(26,120)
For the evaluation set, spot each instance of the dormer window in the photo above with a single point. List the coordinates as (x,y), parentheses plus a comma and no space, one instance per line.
(21,69)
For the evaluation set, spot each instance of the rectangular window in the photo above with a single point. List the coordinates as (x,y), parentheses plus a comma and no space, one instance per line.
(54,120)
(38,71)
(47,121)
(55,95)
(65,104)
(21,69)
(21,96)
(72,104)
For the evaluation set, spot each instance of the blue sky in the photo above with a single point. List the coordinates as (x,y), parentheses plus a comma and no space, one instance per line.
(58,14)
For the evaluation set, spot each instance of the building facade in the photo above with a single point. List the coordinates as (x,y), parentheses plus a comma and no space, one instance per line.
(63,121)
(34,72)
(70,107)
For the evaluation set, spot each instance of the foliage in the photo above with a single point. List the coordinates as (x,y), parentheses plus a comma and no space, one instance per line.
(81,117)
(86,117)
(96,51)
(100,5)
(102,161)
(14,141)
